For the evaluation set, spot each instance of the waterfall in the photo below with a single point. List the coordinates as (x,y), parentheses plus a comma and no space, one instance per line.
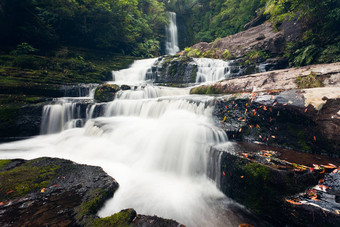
(155,141)
(171,44)
(137,72)
(209,70)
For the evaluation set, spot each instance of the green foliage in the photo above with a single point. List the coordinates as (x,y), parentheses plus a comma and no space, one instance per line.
(24,48)
(226,55)
(192,52)
(209,20)
(330,54)
(119,26)
(321,21)
(256,56)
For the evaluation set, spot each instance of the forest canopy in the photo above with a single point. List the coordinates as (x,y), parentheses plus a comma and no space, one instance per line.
(122,26)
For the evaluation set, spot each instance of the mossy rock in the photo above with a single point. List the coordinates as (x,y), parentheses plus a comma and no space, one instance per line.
(106,92)
(122,219)
(125,87)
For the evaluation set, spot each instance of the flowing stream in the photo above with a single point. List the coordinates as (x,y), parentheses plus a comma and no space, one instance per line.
(153,140)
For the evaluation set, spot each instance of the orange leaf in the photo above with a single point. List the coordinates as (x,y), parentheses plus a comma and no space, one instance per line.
(265,108)
(329,166)
(223,173)
(251,126)
(293,202)
(306,110)
(315,198)
(10,192)
(314,138)
(257,126)
(242,177)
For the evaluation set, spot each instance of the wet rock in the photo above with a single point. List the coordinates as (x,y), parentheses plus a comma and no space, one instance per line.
(57,192)
(48,191)
(318,206)
(174,70)
(264,182)
(125,87)
(106,92)
(290,119)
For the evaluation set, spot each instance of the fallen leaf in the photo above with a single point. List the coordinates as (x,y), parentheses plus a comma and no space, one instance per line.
(314,138)
(242,177)
(306,110)
(225,118)
(332,165)
(1,203)
(245,111)
(240,130)
(337,211)
(293,202)
(10,192)
(223,173)
(329,166)
(273,137)
(315,198)
(257,126)
(245,225)
(43,190)
(265,108)
(251,126)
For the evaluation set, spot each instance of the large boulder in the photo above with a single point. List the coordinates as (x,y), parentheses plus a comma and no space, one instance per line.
(106,92)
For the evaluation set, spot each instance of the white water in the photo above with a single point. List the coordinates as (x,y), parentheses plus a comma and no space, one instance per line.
(153,140)
(135,74)
(171,44)
(210,70)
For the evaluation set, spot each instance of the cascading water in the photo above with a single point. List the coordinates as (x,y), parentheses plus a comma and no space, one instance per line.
(171,44)
(210,70)
(153,140)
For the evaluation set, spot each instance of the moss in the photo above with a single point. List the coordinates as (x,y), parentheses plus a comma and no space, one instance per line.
(121,219)
(205,90)
(106,92)
(258,180)
(4,163)
(310,81)
(226,55)
(299,134)
(92,205)
(25,179)
(255,56)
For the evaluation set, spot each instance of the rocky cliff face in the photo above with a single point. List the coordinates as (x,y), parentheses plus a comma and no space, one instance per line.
(262,37)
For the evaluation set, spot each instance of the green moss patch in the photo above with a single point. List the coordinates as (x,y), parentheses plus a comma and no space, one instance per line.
(121,219)
(310,81)
(25,179)
(4,163)
(106,92)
